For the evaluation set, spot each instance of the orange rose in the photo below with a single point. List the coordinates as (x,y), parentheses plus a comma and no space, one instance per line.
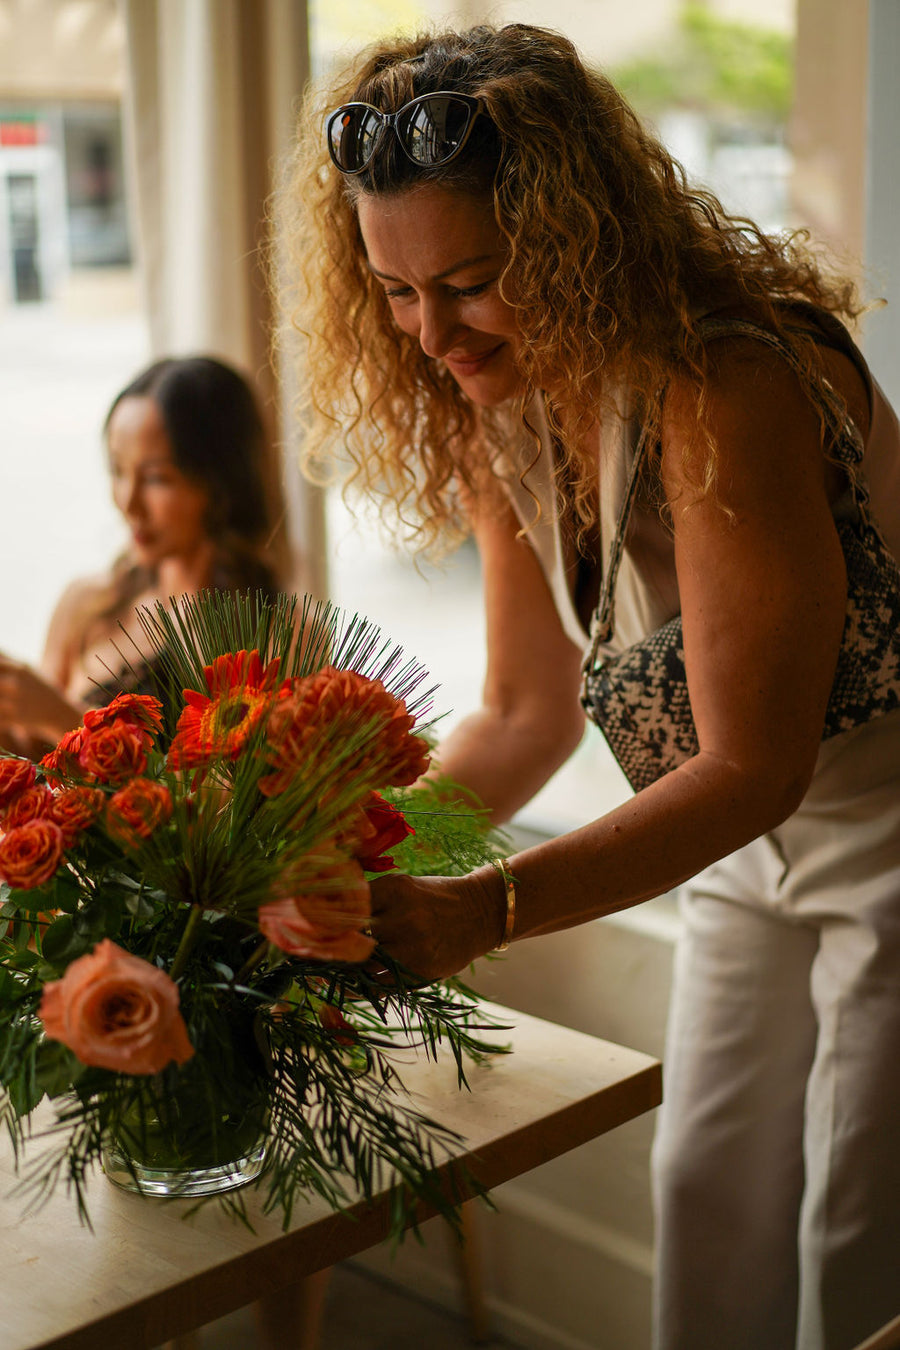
(113,752)
(137,809)
(142,711)
(74,809)
(15,776)
(324,926)
(32,804)
(30,854)
(116,1011)
(63,759)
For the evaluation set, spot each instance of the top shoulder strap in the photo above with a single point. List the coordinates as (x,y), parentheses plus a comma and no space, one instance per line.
(848,444)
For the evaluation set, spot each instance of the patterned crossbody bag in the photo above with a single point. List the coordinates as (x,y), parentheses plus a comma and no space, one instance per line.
(639,698)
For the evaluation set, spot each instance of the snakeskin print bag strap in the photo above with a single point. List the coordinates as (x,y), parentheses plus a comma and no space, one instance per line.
(639,698)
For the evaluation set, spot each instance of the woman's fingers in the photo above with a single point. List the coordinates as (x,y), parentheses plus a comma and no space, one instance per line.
(432,926)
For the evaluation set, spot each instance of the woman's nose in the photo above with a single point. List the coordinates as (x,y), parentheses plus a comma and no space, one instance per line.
(438,326)
(130,497)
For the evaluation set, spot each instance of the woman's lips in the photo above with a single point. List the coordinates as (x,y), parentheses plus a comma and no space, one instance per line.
(471,364)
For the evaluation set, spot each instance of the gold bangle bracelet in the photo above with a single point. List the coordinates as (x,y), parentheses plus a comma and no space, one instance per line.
(502,866)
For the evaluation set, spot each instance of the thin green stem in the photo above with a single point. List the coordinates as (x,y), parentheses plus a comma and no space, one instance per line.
(252,961)
(188,938)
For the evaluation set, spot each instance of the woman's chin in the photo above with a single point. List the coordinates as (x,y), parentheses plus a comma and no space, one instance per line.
(144,556)
(488,392)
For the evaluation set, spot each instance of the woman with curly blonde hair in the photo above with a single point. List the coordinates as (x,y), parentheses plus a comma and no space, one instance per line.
(520,320)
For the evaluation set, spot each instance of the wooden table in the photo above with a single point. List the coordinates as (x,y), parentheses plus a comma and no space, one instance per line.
(147,1274)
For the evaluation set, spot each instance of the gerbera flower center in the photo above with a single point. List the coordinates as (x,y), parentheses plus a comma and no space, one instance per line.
(230,715)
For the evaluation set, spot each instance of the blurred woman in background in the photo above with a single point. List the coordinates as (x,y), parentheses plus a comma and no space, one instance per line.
(187,456)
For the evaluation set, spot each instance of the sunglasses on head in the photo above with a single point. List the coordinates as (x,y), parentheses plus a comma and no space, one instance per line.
(431,130)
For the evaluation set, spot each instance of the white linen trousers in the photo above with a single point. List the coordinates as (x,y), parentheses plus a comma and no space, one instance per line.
(777,1158)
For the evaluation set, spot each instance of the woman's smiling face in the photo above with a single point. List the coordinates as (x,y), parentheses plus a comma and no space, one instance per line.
(439,254)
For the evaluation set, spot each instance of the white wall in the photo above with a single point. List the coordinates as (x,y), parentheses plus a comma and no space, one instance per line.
(882,231)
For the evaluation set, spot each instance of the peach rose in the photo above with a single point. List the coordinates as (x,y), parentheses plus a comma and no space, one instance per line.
(137,809)
(30,854)
(74,809)
(113,752)
(324,926)
(116,1011)
(15,776)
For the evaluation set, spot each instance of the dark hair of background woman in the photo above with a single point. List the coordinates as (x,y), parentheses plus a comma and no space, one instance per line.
(219,441)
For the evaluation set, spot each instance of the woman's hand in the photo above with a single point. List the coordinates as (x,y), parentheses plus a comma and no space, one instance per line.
(436,926)
(32,705)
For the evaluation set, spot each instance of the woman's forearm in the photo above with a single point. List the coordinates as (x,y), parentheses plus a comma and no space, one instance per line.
(505,760)
(701,811)
(669,832)
(33,705)
(65,716)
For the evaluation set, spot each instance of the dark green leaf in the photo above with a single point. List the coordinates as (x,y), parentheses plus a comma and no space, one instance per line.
(62,942)
(57,1068)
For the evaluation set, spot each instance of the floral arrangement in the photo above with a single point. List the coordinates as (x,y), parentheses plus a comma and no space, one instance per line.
(186,970)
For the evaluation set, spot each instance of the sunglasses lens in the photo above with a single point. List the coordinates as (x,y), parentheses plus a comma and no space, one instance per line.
(432,129)
(353,134)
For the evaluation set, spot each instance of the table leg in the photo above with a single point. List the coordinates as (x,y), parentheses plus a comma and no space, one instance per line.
(466,1248)
(888,1338)
(291,1318)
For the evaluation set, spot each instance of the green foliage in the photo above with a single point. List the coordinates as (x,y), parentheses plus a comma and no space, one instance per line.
(713,64)
(453,834)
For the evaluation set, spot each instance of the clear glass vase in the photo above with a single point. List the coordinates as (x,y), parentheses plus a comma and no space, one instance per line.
(196,1130)
(164,1175)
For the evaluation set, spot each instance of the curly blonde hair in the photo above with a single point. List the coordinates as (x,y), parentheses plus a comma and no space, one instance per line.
(611,258)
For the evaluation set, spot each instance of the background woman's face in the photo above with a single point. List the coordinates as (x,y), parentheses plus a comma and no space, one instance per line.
(439,255)
(165,510)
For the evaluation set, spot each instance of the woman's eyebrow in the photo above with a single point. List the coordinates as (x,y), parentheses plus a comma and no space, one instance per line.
(150,463)
(440,276)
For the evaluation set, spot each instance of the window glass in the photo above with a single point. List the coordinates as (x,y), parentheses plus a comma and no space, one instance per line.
(71,334)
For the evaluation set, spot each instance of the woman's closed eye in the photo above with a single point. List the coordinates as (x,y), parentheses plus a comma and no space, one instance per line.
(463,292)
(458,292)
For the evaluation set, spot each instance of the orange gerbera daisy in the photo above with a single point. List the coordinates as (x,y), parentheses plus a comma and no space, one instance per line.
(335,704)
(218,725)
